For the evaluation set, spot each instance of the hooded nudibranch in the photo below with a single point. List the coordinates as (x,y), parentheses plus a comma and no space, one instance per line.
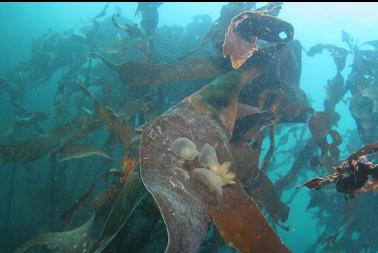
(208,156)
(184,148)
(212,181)
(217,175)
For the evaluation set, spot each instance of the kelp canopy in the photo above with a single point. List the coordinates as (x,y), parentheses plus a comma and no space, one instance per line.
(158,138)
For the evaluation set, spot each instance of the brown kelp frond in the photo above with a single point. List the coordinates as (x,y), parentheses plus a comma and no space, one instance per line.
(77,151)
(34,148)
(206,118)
(114,123)
(339,54)
(240,50)
(75,241)
(128,199)
(241,223)
(68,216)
(144,73)
(246,28)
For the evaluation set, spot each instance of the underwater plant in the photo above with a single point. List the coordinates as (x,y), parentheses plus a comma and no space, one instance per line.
(155,109)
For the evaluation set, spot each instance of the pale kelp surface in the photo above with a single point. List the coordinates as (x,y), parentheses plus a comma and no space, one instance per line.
(124,132)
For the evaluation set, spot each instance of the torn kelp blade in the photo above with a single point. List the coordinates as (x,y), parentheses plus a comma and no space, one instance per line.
(265,27)
(244,30)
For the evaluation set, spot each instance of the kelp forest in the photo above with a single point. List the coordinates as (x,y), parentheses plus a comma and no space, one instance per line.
(165,138)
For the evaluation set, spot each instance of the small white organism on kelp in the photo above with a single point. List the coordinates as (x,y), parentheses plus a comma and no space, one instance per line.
(184,148)
(208,178)
(208,156)
(216,175)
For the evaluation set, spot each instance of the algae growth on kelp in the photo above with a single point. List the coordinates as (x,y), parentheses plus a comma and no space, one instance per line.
(188,127)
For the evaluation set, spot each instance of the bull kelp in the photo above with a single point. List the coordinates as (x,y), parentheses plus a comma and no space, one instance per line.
(188,127)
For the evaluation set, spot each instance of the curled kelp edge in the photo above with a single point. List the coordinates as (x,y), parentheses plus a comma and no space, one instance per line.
(240,41)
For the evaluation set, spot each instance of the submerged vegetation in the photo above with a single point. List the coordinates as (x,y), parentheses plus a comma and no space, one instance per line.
(156,139)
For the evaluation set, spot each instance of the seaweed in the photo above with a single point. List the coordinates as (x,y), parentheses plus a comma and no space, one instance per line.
(246,28)
(206,191)
(128,199)
(197,118)
(114,123)
(33,148)
(75,240)
(317,183)
(69,152)
(140,73)
(339,54)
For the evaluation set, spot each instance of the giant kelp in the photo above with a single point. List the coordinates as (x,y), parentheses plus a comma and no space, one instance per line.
(76,240)
(140,73)
(339,228)
(126,216)
(243,33)
(317,183)
(34,148)
(210,115)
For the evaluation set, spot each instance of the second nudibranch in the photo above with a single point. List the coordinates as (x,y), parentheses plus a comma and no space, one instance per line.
(213,174)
